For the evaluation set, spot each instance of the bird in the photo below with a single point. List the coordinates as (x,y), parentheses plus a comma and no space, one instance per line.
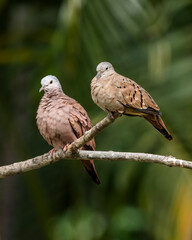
(115,93)
(61,120)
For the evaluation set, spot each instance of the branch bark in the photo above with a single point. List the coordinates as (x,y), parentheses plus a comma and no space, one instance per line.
(75,154)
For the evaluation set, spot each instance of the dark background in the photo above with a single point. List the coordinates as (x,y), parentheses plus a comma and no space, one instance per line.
(149,41)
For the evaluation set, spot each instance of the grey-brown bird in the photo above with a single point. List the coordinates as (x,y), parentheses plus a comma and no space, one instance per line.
(115,93)
(61,120)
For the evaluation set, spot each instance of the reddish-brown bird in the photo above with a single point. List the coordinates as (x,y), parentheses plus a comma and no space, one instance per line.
(115,93)
(61,120)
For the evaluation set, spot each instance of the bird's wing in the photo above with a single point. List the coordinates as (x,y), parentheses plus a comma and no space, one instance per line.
(133,96)
(80,123)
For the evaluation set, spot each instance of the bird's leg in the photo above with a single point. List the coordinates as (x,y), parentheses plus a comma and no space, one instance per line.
(65,148)
(114,115)
(51,152)
(111,114)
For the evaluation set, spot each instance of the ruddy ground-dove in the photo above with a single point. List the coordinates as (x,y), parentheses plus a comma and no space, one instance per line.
(61,120)
(115,93)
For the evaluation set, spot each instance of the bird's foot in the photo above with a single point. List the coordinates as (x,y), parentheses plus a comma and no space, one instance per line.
(52,151)
(111,115)
(65,148)
(114,115)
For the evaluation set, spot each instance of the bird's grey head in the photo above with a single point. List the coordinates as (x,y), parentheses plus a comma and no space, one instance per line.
(104,68)
(50,82)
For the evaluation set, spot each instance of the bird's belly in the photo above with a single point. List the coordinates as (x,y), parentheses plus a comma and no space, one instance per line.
(56,131)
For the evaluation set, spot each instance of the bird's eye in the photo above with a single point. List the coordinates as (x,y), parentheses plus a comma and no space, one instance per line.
(51,82)
(106,68)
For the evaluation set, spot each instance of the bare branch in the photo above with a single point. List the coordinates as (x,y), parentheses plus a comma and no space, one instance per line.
(133,157)
(75,154)
(46,159)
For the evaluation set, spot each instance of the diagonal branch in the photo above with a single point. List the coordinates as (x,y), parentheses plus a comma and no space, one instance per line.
(75,154)
(108,120)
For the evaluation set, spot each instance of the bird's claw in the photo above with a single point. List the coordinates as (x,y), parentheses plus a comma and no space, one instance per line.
(114,115)
(51,152)
(65,148)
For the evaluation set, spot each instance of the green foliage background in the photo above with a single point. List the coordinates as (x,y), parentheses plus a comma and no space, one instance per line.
(149,41)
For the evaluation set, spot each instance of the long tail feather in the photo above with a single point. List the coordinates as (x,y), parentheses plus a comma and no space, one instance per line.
(158,123)
(90,167)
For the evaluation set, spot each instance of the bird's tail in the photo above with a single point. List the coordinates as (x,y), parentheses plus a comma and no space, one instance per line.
(158,123)
(90,167)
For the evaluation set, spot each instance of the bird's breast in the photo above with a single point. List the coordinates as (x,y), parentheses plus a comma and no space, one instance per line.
(54,126)
(104,96)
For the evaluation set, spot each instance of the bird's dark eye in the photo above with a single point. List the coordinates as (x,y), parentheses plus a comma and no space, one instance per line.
(51,82)
(106,68)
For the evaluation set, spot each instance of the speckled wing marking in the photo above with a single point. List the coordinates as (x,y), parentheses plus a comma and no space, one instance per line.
(134,97)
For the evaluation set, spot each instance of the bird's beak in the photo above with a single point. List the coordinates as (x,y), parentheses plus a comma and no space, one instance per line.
(42,88)
(98,75)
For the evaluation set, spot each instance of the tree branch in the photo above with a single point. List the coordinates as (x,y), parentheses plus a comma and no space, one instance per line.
(75,154)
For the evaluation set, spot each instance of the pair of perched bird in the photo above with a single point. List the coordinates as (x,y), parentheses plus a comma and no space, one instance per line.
(61,120)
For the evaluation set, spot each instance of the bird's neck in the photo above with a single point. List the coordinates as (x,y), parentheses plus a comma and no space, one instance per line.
(107,73)
(53,92)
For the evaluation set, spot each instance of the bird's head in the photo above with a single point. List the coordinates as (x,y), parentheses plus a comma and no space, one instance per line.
(104,68)
(49,83)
